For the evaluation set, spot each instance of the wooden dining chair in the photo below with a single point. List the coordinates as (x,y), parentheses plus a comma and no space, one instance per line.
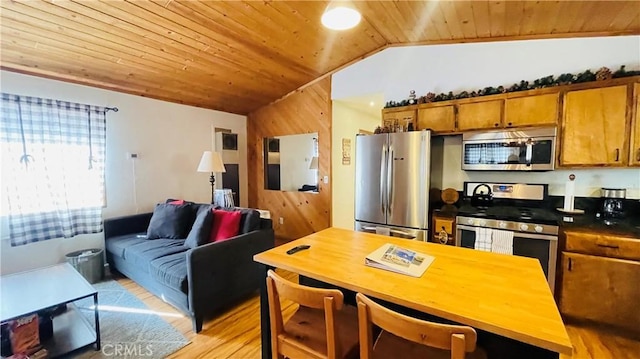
(322,327)
(406,337)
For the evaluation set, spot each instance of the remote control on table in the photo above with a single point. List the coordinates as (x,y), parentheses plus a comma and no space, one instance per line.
(298,248)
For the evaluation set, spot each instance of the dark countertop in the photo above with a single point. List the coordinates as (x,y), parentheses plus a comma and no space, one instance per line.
(627,227)
(588,222)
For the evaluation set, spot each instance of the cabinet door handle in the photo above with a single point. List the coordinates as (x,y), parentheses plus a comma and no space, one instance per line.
(496,124)
(570,267)
(608,245)
(638,155)
(617,154)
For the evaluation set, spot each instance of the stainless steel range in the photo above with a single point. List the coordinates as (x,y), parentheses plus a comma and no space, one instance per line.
(516,212)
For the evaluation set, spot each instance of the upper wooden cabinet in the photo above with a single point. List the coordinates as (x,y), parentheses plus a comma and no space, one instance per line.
(634,152)
(537,110)
(594,127)
(399,116)
(439,119)
(480,115)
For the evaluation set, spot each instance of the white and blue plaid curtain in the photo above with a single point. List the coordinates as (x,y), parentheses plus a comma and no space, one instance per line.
(53,158)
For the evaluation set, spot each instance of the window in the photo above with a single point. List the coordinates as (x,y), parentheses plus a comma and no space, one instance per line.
(53,156)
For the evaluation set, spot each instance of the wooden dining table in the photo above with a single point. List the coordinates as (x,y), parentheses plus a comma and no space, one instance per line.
(505,297)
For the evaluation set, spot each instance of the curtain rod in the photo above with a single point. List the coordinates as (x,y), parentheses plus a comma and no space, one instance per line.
(114,109)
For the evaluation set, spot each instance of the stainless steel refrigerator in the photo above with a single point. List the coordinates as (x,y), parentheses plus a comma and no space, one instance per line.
(394,174)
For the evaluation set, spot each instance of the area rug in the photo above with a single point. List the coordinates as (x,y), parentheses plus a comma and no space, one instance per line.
(128,328)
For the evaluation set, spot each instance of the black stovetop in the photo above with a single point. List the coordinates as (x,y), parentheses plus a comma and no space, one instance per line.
(536,215)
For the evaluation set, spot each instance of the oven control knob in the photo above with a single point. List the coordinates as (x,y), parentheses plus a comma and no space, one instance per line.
(524,227)
(538,229)
(502,225)
(470,221)
(483,222)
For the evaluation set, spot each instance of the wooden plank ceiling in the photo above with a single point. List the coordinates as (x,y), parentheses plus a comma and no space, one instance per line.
(237,56)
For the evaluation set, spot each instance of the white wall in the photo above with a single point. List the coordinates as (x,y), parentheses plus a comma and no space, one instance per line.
(348,119)
(443,68)
(168,138)
(458,67)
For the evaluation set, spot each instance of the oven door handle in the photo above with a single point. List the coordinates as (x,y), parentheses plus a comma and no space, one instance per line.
(515,234)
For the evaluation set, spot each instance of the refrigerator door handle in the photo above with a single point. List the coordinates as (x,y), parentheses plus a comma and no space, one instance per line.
(383,169)
(390,180)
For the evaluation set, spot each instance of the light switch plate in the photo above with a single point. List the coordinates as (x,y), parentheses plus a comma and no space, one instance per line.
(325,179)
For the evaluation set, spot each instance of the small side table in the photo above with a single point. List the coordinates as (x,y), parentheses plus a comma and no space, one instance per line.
(28,292)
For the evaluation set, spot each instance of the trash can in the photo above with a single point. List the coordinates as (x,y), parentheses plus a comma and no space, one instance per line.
(88,262)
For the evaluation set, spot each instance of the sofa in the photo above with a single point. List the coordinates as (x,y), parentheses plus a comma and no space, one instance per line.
(199,279)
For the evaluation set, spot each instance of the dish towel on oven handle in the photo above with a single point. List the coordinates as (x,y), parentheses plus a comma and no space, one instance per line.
(483,239)
(502,242)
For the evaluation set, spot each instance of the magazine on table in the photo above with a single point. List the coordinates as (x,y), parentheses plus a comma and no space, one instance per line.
(394,258)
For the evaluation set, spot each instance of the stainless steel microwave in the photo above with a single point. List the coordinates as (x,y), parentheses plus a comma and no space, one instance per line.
(531,149)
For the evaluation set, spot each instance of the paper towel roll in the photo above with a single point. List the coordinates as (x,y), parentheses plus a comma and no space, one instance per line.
(569,194)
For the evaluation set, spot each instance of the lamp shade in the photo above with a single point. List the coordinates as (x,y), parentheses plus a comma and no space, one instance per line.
(313,164)
(211,162)
(340,15)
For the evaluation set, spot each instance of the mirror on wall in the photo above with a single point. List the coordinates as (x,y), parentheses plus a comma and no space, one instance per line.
(291,163)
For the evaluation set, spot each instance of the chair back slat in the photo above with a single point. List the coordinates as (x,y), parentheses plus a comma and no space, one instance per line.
(307,296)
(328,300)
(419,331)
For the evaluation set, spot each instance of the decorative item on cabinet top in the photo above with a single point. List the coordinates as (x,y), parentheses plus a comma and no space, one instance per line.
(548,81)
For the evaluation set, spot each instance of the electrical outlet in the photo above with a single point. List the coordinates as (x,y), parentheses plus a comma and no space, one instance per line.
(325,179)
(281,220)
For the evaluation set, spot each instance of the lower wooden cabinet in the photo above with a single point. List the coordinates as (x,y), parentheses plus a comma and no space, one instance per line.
(444,230)
(601,289)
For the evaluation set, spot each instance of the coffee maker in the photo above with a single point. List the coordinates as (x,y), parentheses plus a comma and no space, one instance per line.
(612,202)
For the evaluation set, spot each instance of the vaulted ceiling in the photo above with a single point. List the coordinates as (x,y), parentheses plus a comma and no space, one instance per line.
(237,56)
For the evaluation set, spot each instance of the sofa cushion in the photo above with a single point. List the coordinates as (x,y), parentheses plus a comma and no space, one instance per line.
(201,230)
(171,270)
(141,254)
(250,220)
(117,245)
(226,224)
(170,221)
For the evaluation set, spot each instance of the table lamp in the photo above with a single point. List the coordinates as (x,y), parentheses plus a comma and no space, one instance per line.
(211,162)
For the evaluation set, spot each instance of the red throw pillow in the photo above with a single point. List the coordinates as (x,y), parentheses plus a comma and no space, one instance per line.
(226,224)
(177,202)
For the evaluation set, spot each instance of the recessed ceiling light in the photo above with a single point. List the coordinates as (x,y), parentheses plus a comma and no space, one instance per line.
(340,17)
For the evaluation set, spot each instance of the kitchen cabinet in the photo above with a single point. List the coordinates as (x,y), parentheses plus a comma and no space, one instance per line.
(594,127)
(535,110)
(437,118)
(480,115)
(596,284)
(399,116)
(444,229)
(634,152)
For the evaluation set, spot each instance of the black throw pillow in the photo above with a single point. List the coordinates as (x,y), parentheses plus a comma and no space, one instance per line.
(201,230)
(170,221)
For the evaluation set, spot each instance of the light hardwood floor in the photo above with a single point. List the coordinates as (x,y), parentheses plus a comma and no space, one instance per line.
(236,333)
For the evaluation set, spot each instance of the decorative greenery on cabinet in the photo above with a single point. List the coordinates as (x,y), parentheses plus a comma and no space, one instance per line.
(548,81)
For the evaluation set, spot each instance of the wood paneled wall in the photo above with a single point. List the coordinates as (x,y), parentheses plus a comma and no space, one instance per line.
(307,110)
